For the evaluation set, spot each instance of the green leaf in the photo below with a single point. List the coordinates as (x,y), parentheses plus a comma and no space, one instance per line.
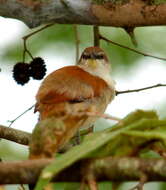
(147,134)
(104,143)
(71,156)
(90,144)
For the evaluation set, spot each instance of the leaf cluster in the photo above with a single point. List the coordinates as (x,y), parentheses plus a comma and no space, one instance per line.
(139,132)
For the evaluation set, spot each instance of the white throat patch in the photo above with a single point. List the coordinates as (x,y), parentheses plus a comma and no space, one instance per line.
(101,71)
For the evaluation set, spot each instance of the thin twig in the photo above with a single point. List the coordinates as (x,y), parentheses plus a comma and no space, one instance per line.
(28,36)
(77,42)
(139,89)
(26,51)
(96,36)
(96,114)
(12,121)
(36,31)
(21,187)
(141,183)
(130,32)
(131,49)
(105,116)
(92,184)
(83,185)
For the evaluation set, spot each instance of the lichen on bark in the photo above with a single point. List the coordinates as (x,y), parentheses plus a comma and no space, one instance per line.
(157,2)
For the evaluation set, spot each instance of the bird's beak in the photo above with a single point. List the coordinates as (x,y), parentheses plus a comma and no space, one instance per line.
(92,63)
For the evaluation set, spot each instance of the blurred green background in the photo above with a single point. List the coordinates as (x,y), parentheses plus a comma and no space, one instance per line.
(56,45)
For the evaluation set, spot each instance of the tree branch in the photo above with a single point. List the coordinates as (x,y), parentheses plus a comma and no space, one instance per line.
(110,168)
(77,42)
(140,89)
(12,121)
(93,12)
(131,49)
(15,135)
(96,36)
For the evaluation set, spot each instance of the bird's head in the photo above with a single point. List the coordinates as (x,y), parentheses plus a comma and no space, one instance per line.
(95,61)
(93,58)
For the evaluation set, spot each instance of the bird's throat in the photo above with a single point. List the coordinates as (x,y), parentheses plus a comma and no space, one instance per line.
(99,70)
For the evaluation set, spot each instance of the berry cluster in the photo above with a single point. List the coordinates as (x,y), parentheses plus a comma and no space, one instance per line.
(23,71)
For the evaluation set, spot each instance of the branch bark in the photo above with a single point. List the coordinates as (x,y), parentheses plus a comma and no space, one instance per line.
(130,13)
(15,135)
(112,169)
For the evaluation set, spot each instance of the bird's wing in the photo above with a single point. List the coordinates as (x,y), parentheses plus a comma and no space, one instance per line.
(69,83)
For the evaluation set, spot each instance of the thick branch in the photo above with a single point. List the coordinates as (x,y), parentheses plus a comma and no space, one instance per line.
(129,13)
(112,169)
(15,135)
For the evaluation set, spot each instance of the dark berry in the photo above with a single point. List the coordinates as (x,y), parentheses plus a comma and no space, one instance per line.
(21,73)
(37,68)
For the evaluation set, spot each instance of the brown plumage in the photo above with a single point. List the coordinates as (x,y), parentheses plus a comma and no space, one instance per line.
(68,84)
(65,96)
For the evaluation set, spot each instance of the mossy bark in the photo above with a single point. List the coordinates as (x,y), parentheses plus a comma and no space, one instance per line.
(118,13)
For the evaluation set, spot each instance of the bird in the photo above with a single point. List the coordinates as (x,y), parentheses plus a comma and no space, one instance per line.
(66,96)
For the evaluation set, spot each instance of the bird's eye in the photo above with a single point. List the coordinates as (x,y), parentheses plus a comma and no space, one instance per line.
(86,56)
(99,56)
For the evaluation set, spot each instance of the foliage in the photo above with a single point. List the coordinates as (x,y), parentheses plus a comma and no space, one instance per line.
(134,132)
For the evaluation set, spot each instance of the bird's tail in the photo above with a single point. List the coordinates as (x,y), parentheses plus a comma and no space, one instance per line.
(52,134)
